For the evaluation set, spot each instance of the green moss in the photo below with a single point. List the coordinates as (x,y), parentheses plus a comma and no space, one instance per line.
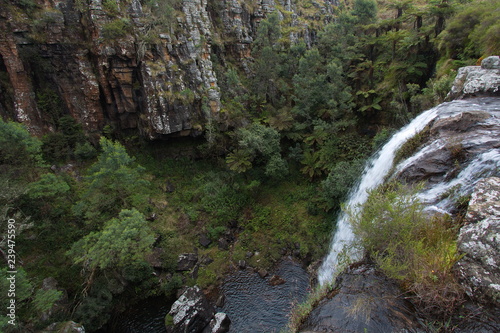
(169,320)
(410,146)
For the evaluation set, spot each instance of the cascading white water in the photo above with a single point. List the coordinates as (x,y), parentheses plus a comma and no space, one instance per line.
(380,165)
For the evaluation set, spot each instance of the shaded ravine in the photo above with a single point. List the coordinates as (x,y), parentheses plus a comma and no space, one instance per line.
(379,167)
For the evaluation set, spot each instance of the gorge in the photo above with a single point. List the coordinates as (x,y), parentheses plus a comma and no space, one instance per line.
(191,149)
(471,125)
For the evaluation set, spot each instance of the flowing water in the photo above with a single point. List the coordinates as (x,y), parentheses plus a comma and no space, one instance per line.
(255,306)
(378,168)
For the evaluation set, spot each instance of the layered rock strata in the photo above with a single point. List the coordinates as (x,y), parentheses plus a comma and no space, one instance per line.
(126,64)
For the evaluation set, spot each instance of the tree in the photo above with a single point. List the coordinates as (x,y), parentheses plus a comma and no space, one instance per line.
(123,241)
(312,164)
(365,11)
(114,183)
(17,147)
(48,186)
(472,32)
(258,144)
(320,94)
(311,87)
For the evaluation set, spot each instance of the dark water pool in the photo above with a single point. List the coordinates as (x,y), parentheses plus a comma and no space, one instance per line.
(255,306)
(147,316)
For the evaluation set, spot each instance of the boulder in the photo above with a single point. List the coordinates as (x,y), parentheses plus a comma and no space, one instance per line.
(477,80)
(64,327)
(492,62)
(219,324)
(223,244)
(479,240)
(364,300)
(220,301)
(276,280)
(190,313)
(204,240)
(242,264)
(187,261)
(262,272)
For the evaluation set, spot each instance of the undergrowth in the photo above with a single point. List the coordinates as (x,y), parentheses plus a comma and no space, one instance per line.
(412,247)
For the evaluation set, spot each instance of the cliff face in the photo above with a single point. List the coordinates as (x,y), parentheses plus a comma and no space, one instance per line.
(144,65)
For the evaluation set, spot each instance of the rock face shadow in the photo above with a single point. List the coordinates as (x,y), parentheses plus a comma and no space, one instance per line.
(364,300)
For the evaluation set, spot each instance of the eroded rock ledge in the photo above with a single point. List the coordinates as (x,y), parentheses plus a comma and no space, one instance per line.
(364,300)
(481,80)
(479,240)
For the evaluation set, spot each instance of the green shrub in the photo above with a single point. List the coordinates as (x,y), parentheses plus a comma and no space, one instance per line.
(85,151)
(17,147)
(339,181)
(412,247)
(44,299)
(116,29)
(111,7)
(221,197)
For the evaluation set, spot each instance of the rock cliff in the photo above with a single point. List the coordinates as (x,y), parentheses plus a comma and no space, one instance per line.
(147,66)
(480,242)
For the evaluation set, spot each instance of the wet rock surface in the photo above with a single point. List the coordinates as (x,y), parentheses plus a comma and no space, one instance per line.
(219,324)
(192,313)
(458,146)
(364,300)
(479,240)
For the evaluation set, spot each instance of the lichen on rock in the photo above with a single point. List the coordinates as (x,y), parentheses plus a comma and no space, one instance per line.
(479,240)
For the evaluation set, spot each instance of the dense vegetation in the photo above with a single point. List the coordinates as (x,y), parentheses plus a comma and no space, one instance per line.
(412,247)
(296,133)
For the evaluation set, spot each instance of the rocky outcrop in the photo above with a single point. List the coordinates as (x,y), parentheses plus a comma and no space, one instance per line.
(363,300)
(477,80)
(192,313)
(126,65)
(453,142)
(64,327)
(187,261)
(479,240)
(219,324)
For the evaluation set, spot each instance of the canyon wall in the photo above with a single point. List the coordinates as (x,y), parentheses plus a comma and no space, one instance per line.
(148,66)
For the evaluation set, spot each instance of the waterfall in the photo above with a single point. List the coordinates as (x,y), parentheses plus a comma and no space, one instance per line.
(381,163)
